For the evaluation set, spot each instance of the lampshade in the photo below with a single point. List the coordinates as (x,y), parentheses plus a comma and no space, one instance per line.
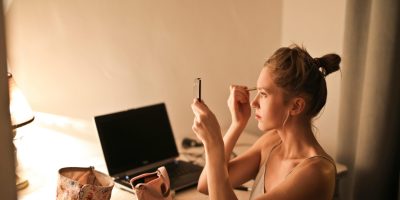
(20,111)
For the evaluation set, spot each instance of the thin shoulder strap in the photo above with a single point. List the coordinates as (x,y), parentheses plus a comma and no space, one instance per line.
(312,157)
(269,155)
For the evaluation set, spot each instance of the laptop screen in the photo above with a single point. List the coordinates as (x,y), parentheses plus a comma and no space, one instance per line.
(135,138)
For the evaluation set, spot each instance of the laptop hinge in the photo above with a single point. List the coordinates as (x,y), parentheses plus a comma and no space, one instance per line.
(143,169)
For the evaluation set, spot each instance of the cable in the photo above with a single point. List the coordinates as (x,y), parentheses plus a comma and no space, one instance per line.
(188,143)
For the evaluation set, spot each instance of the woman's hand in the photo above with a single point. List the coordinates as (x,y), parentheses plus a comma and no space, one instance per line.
(205,124)
(239,105)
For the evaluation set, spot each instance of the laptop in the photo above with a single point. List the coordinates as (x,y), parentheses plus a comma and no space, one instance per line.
(140,140)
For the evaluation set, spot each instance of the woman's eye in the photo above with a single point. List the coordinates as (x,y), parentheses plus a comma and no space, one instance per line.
(263,94)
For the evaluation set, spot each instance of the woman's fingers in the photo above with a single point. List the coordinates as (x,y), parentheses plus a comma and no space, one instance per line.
(239,93)
(200,110)
(241,97)
(196,125)
(205,124)
(239,104)
(196,109)
(239,90)
(199,106)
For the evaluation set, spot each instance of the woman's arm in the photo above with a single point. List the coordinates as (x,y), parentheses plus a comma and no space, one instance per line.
(229,142)
(219,185)
(239,106)
(208,131)
(240,169)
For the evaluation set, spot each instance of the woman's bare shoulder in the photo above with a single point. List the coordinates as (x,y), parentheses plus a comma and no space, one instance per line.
(317,174)
(322,166)
(314,179)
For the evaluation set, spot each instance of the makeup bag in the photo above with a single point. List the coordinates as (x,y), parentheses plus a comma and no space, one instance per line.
(78,183)
(152,186)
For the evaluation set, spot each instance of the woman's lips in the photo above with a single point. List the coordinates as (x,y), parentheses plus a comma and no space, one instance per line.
(257,117)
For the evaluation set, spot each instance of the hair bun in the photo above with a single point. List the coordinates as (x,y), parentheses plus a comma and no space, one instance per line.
(328,63)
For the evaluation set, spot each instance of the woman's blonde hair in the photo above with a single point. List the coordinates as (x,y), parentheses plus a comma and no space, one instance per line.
(296,72)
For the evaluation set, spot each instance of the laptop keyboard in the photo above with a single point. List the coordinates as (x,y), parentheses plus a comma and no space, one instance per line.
(183,168)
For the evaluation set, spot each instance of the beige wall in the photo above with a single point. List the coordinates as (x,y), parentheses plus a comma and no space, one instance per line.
(319,26)
(84,58)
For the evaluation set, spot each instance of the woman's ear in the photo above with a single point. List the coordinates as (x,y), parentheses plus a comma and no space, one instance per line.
(298,105)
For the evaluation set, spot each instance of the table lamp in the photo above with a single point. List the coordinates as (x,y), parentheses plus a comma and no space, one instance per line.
(21,115)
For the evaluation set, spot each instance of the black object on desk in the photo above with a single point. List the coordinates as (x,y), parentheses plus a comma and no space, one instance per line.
(140,140)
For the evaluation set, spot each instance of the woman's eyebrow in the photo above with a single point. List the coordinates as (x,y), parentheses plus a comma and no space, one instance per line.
(265,89)
(259,88)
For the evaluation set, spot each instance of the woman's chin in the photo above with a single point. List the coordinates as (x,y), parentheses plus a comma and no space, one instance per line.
(261,127)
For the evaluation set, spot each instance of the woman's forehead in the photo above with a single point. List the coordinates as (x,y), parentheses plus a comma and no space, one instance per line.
(265,79)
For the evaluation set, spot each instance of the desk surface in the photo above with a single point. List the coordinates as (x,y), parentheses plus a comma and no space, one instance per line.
(46,150)
(43,151)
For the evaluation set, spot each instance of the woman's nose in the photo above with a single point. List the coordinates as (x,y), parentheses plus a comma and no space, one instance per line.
(254,103)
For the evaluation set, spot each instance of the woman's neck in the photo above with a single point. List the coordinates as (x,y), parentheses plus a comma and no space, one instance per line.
(298,139)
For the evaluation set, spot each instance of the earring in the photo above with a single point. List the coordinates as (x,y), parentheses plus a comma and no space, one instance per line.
(287,117)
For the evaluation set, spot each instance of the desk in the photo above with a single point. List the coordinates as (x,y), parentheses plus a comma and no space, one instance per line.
(44,150)
(190,193)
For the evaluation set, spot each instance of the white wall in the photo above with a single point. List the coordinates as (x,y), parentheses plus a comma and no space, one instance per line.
(84,58)
(319,26)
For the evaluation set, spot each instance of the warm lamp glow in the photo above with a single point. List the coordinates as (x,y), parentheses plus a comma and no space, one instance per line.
(21,115)
(20,111)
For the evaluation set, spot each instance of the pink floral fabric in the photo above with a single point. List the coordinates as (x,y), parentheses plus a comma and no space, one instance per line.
(83,184)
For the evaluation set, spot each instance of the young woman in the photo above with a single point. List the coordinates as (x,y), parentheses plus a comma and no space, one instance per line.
(287,162)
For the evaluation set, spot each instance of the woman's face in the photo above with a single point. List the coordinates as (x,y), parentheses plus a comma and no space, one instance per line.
(270,110)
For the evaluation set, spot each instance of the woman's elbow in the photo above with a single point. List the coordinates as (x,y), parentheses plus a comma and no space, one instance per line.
(202,188)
